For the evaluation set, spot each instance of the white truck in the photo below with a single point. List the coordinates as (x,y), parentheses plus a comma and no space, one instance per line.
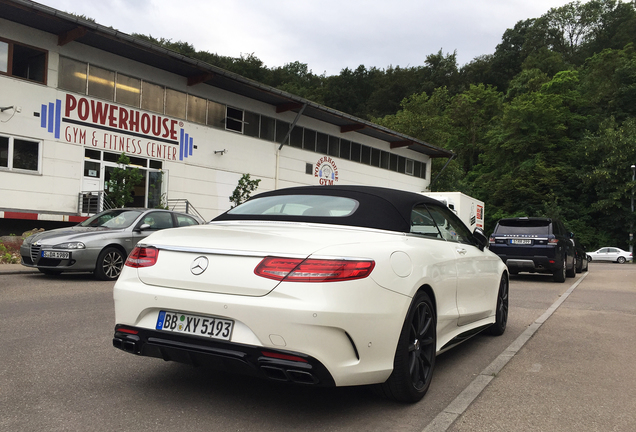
(469,209)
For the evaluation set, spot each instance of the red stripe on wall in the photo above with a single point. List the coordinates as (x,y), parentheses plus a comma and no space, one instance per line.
(19,215)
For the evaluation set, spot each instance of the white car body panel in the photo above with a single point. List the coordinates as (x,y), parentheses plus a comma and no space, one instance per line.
(609,254)
(329,321)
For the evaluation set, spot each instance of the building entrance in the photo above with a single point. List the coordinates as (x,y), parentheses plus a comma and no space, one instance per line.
(98,169)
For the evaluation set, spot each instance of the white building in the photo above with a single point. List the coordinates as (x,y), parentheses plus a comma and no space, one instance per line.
(74,95)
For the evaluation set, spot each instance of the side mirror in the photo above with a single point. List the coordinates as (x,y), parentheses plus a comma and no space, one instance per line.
(482,240)
(143,227)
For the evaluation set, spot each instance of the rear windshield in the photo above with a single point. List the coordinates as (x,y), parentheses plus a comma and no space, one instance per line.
(298,205)
(538,227)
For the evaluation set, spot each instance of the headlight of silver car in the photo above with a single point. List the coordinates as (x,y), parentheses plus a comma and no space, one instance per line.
(70,245)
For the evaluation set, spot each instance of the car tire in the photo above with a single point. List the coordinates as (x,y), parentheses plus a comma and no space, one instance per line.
(501,313)
(109,264)
(586,265)
(621,260)
(50,272)
(559,275)
(579,265)
(415,354)
(589,259)
(571,272)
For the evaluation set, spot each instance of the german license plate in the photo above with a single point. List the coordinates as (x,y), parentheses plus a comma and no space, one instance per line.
(56,255)
(194,325)
(521,241)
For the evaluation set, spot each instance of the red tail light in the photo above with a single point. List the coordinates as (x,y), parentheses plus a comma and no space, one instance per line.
(313,270)
(142,257)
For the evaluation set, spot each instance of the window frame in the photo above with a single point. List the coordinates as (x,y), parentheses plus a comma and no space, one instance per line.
(11,155)
(10,51)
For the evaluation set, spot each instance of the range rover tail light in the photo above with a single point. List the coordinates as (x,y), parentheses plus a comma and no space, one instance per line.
(142,257)
(313,270)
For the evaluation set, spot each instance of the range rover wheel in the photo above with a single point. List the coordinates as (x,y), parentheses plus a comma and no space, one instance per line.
(559,275)
(571,272)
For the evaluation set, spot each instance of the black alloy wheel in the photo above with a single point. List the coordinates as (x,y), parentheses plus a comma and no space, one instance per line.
(501,314)
(109,264)
(415,355)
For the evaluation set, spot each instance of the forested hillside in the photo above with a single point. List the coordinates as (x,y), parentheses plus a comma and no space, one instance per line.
(546,125)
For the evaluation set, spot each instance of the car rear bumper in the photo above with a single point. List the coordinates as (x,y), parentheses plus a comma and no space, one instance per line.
(349,328)
(268,363)
(535,264)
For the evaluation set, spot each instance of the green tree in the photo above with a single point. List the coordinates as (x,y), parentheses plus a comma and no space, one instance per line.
(123,180)
(243,190)
(606,176)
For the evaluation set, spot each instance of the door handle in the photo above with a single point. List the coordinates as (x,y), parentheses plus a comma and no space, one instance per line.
(461,251)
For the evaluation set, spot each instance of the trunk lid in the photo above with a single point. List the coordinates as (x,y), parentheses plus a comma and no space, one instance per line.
(227,253)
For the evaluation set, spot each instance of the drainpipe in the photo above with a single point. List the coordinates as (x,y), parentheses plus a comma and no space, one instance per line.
(441,171)
(285,139)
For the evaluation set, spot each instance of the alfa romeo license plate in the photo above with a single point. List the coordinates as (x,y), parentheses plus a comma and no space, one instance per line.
(521,241)
(56,255)
(212,327)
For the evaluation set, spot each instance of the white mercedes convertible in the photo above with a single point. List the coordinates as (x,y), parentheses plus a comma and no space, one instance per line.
(316,285)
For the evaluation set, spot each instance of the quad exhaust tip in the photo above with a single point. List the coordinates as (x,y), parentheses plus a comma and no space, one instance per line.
(290,375)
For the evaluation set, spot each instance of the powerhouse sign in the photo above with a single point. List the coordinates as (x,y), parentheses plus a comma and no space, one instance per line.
(110,127)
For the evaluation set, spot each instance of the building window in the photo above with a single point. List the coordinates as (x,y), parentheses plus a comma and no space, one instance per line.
(197,108)
(322,143)
(309,141)
(268,128)
(128,90)
(101,83)
(19,154)
(282,129)
(23,61)
(176,104)
(72,75)
(234,120)
(216,115)
(296,137)
(252,124)
(152,97)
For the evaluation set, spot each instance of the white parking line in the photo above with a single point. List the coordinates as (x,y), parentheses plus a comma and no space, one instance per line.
(457,407)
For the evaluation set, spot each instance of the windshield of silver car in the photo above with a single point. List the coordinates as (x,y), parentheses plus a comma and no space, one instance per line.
(115,219)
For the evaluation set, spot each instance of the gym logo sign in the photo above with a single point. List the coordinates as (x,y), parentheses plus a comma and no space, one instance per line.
(326,170)
(116,128)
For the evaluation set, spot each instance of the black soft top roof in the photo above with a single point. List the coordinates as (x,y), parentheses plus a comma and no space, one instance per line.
(381,208)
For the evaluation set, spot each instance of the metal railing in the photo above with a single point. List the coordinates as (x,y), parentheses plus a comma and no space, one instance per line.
(183,206)
(90,203)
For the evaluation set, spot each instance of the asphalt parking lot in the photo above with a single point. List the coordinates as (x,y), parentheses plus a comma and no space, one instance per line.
(565,364)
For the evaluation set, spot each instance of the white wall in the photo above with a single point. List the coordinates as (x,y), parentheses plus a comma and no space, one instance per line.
(206,179)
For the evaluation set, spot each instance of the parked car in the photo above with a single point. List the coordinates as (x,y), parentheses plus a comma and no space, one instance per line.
(535,245)
(612,254)
(580,255)
(323,286)
(100,244)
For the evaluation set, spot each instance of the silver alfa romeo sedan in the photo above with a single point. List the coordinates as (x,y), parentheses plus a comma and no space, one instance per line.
(100,244)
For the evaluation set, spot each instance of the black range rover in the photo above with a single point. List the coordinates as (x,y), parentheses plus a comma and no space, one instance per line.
(535,245)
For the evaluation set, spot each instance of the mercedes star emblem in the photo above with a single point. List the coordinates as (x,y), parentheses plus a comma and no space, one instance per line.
(199,265)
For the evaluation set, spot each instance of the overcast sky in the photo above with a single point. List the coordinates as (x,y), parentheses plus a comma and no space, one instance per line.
(327,35)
